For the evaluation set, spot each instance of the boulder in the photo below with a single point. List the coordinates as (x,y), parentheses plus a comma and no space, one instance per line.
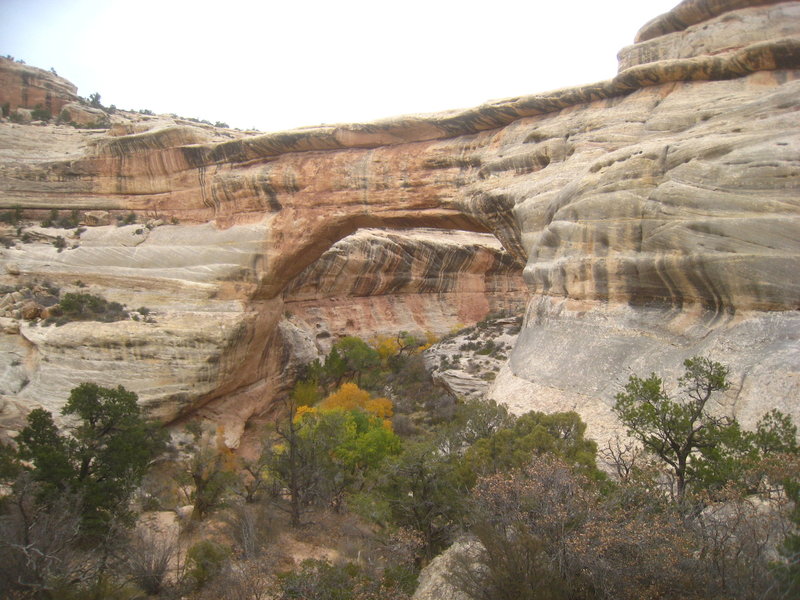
(31,311)
(84,115)
(437,580)
(96,218)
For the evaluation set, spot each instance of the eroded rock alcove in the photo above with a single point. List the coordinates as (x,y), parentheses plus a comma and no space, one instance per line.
(656,215)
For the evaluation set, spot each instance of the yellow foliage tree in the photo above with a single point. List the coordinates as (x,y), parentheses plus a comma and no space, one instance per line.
(380,407)
(351,397)
(430,340)
(348,397)
(304,410)
(386,347)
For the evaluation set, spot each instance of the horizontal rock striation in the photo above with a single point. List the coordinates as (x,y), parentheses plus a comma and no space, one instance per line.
(190,281)
(378,282)
(720,34)
(693,12)
(656,215)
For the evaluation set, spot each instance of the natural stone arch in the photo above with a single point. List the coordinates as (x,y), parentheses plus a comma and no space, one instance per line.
(622,195)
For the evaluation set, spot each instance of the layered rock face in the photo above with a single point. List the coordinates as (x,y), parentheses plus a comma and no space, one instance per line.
(23,86)
(656,215)
(27,92)
(378,282)
(682,243)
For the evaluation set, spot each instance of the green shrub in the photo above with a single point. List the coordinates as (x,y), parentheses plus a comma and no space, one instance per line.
(52,219)
(87,307)
(12,217)
(318,580)
(488,348)
(403,577)
(204,561)
(41,114)
(70,222)
(105,586)
(94,125)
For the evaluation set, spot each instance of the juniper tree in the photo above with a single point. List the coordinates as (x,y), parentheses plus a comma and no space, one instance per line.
(101,459)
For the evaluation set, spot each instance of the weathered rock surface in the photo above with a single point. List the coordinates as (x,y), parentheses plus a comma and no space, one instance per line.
(657,216)
(378,282)
(467,362)
(194,281)
(23,86)
(436,580)
(693,12)
(601,344)
(83,115)
(704,27)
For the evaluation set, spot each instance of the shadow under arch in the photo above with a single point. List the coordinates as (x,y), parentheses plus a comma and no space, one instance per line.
(295,248)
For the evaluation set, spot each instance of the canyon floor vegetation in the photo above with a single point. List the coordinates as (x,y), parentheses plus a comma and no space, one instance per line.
(370,471)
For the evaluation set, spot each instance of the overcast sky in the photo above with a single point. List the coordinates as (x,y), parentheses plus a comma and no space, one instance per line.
(275,65)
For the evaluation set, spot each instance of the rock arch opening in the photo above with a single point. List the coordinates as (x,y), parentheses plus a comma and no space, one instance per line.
(420,273)
(382,281)
(305,238)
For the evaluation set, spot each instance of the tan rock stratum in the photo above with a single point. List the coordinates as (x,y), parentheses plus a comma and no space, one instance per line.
(657,216)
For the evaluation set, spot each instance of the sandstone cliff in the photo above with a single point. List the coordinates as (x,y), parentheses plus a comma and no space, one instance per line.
(23,86)
(656,215)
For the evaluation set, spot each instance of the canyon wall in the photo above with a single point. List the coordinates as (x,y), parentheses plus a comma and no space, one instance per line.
(657,216)
(25,86)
